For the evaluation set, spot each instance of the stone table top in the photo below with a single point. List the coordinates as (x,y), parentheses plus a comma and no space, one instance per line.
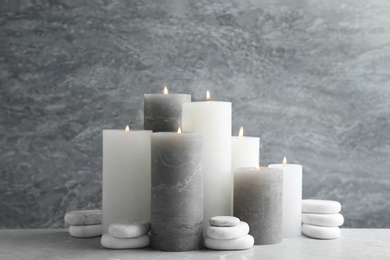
(58,244)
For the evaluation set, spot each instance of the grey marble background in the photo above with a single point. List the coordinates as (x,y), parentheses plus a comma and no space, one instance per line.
(311,78)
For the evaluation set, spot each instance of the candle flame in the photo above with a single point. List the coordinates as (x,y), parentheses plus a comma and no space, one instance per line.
(208,95)
(127,129)
(165,90)
(241,133)
(179,130)
(284,160)
(258,167)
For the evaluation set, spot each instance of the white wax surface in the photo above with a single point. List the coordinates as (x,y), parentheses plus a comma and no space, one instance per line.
(245,152)
(292,198)
(214,120)
(126,176)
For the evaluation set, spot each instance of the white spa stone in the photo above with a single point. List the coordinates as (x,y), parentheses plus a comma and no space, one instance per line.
(129,229)
(241,243)
(84,217)
(320,232)
(321,206)
(238,231)
(325,220)
(224,221)
(111,242)
(85,231)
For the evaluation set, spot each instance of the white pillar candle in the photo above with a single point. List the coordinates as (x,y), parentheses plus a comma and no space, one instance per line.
(214,120)
(245,151)
(292,198)
(126,176)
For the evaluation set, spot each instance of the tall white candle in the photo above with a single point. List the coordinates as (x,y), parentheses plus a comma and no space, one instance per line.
(245,151)
(214,120)
(126,176)
(292,198)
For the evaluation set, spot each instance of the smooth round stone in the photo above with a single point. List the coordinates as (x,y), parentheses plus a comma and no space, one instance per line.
(320,232)
(241,230)
(325,220)
(84,217)
(224,221)
(129,229)
(241,243)
(321,206)
(85,231)
(111,242)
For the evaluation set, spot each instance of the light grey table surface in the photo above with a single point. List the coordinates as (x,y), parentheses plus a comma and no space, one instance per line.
(58,244)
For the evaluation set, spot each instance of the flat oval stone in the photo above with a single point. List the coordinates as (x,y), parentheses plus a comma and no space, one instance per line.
(238,231)
(111,242)
(129,229)
(224,221)
(241,243)
(325,220)
(85,231)
(321,206)
(83,217)
(320,232)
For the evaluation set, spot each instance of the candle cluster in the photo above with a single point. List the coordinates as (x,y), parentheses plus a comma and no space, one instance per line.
(185,168)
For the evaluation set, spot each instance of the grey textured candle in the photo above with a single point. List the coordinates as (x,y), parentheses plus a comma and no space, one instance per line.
(177,191)
(258,200)
(162,112)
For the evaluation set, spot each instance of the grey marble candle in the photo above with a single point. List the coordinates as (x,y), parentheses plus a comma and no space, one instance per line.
(258,200)
(162,112)
(177,191)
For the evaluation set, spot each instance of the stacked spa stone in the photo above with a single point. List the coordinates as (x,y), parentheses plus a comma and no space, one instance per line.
(321,219)
(127,235)
(228,233)
(84,223)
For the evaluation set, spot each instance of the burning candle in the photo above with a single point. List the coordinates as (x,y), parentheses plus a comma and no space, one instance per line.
(126,176)
(162,112)
(177,191)
(245,150)
(258,199)
(214,120)
(292,197)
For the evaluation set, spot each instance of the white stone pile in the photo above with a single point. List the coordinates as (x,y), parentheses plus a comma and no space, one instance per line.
(127,235)
(321,219)
(84,223)
(228,233)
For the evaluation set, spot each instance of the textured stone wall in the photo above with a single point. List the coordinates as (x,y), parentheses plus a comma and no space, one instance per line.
(311,78)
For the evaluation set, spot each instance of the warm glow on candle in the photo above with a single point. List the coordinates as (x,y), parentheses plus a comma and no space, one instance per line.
(241,133)
(127,129)
(165,90)
(208,95)
(284,160)
(258,168)
(179,130)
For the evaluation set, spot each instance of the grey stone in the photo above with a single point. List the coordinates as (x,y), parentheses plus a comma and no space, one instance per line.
(85,231)
(321,206)
(238,231)
(129,229)
(321,232)
(325,220)
(111,242)
(224,221)
(241,243)
(83,217)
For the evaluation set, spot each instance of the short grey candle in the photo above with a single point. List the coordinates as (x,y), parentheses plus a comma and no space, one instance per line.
(177,191)
(258,200)
(162,112)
